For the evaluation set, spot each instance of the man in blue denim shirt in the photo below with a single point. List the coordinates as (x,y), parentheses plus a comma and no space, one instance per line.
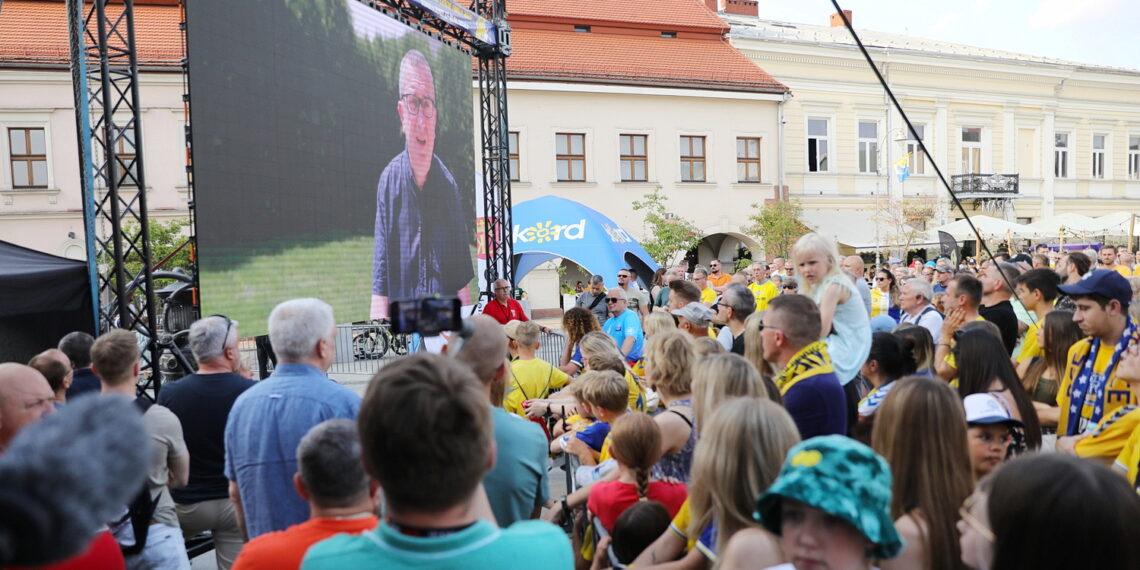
(268,420)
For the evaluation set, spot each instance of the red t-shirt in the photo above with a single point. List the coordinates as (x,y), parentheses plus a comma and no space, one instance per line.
(286,548)
(512,312)
(609,499)
(102,554)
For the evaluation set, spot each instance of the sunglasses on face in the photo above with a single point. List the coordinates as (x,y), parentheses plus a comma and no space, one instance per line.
(620,276)
(613,299)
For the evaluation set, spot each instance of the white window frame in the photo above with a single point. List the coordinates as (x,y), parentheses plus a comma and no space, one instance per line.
(972,151)
(1098,155)
(917,162)
(867,155)
(813,142)
(1134,157)
(1061,154)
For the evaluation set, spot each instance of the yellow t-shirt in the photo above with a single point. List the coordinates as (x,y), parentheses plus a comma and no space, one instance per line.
(1116,391)
(607,444)
(708,296)
(1129,458)
(1031,346)
(531,379)
(763,292)
(636,394)
(953,362)
(880,302)
(1111,436)
(680,525)
(1123,270)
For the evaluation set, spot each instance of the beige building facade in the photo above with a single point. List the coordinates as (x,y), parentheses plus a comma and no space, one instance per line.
(1070,132)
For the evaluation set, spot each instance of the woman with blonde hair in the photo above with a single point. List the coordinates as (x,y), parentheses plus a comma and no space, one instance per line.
(754,344)
(920,429)
(843,317)
(577,322)
(656,322)
(739,456)
(718,377)
(668,370)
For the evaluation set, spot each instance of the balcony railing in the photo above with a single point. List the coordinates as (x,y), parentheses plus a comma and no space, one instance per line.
(986,185)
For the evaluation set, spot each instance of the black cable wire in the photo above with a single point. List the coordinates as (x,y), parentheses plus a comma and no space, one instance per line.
(921,144)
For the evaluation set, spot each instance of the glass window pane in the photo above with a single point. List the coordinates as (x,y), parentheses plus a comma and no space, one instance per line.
(741,148)
(754,148)
(698,146)
(817,127)
(20,173)
(514,166)
(576,142)
(1134,143)
(513,143)
(19,145)
(1098,142)
(918,132)
(1062,140)
(624,144)
(626,170)
(822,155)
(873,166)
(639,145)
(863,158)
(741,171)
(563,170)
(971,134)
(699,171)
(39,145)
(868,130)
(561,145)
(578,170)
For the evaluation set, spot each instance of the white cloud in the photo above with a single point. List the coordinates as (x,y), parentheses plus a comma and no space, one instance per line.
(1057,13)
(943,23)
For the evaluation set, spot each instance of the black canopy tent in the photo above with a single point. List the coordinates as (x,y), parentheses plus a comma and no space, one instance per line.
(42,298)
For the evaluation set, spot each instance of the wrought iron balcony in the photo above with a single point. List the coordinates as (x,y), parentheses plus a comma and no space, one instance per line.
(985,185)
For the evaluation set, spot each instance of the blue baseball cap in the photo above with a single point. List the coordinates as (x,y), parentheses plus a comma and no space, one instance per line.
(1101,282)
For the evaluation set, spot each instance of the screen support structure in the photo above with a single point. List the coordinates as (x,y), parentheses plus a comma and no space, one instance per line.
(105,79)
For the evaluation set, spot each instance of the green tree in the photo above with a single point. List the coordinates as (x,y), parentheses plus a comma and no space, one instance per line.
(165,238)
(777,226)
(670,235)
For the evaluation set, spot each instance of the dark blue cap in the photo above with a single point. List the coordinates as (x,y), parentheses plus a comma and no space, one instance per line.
(1102,282)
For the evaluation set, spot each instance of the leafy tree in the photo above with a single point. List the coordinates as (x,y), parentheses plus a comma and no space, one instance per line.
(670,235)
(903,222)
(165,238)
(777,226)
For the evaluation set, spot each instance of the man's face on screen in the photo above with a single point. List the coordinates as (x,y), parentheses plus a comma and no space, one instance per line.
(417,116)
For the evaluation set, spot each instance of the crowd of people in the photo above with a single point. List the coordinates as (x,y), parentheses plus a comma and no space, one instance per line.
(817,412)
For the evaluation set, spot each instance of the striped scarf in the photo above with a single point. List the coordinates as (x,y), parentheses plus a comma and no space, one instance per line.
(809,361)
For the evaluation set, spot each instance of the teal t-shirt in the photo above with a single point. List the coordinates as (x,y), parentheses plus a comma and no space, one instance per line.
(527,544)
(518,483)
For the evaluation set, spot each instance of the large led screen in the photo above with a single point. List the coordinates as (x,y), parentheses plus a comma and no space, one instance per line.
(333,152)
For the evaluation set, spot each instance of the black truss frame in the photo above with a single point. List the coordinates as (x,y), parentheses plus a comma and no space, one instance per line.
(105,79)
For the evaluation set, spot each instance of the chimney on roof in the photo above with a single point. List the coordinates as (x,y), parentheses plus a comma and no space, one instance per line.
(739,7)
(837,20)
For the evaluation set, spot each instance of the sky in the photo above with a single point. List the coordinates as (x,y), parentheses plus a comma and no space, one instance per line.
(1099,32)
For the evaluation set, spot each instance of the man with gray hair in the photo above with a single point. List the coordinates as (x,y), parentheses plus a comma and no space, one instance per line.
(517,486)
(914,300)
(996,306)
(202,402)
(855,265)
(594,299)
(331,479)
(268,420)
(734,306)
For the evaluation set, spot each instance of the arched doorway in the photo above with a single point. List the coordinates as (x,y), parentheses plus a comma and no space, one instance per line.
(729,247)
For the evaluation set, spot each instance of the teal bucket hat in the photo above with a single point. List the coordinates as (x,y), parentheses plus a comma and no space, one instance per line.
(842,477)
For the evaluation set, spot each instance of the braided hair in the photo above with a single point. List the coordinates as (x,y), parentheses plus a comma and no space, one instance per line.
(636,444)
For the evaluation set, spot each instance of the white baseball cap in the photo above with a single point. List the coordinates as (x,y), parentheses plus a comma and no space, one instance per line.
(987,408)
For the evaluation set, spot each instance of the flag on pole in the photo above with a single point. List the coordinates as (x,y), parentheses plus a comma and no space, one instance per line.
(902,167)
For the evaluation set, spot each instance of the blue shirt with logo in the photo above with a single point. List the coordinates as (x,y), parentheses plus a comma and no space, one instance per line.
(623,326)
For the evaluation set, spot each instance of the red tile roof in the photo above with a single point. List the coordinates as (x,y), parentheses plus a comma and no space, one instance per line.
(35,33)
(634,60)
(661,14)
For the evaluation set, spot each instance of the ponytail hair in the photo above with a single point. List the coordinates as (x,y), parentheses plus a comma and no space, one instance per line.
(636,444)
